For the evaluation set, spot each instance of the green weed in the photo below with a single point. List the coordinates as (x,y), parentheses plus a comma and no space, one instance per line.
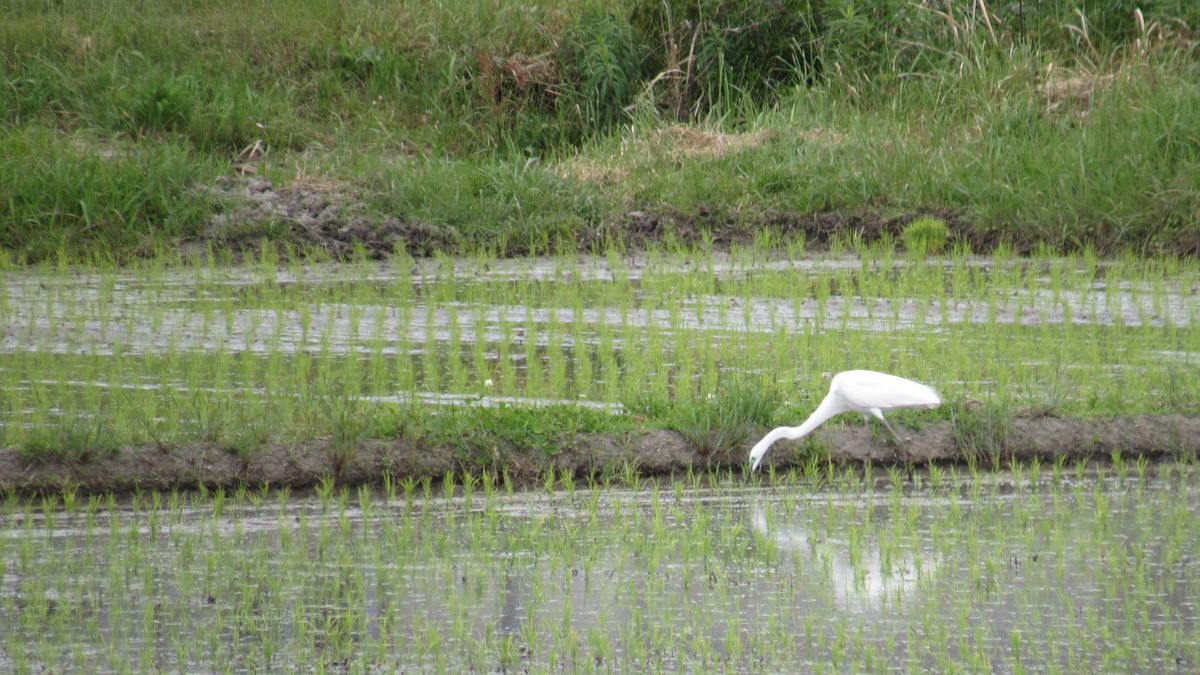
(980,432)
(925,236)
(468,125)
(724,420)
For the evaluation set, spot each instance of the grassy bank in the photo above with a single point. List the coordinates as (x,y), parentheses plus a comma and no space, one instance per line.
(465,126)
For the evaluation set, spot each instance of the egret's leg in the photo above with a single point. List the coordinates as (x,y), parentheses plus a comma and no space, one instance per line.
(902,448)
(889,428)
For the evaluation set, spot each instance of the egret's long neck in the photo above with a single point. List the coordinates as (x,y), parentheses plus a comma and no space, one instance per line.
(828,408)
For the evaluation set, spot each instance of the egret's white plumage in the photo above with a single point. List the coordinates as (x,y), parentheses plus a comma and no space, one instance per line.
(861,391)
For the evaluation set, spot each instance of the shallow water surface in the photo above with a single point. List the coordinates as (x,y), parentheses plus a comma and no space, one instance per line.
(243,355)
(1073,573)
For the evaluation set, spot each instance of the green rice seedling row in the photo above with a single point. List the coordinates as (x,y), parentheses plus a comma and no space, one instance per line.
(246,355)
(1065,570)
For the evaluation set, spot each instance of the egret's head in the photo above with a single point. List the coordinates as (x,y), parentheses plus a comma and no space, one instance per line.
(757,452)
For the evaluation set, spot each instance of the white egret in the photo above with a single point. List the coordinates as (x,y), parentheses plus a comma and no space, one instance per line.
(861,391)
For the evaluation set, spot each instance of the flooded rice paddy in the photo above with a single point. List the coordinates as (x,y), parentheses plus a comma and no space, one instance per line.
(1043,568)
(187,351)
(1048,568)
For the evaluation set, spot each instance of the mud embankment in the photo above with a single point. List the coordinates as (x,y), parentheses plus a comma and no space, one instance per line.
(658,452)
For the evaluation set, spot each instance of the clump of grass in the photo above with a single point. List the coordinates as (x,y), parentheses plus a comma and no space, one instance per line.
(76,438)
(981,431)
(482,438)
(925,235)
(704,55)
(722,421)
(160,102)
(603,60)
(63,199)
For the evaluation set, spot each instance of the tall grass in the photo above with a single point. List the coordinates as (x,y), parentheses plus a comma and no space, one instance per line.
(544,126)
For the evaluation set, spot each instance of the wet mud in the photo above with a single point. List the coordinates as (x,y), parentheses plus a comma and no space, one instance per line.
(331,217)
(322,216)
(651,453)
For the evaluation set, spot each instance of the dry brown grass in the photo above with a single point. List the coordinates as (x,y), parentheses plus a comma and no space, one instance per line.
(688,141)
(679,142)
(591,170)
(1071,92)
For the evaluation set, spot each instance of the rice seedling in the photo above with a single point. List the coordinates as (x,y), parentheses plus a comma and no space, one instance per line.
(833,567)
(149,364)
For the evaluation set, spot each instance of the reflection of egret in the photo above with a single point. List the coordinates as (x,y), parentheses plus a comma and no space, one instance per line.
(856,571)
(861,391)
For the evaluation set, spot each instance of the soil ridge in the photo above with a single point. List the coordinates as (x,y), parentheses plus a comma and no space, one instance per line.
(655,452)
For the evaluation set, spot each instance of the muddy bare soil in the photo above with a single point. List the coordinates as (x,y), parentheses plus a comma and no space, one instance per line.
(320,216)
(333,218)
(656,452)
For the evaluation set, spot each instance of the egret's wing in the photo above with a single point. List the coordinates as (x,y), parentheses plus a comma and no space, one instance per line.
(869,389)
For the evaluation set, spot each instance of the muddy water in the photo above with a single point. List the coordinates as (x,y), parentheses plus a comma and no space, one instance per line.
(1082,574)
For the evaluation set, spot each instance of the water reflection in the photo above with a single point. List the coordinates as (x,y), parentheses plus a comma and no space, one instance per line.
(858,575)
(1091,576)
